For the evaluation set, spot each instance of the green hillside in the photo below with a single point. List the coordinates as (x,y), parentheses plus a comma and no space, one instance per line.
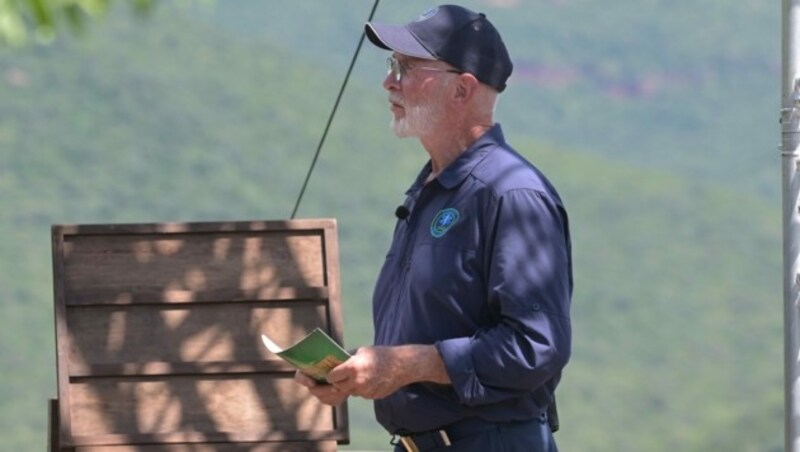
(658,124)
(690,86)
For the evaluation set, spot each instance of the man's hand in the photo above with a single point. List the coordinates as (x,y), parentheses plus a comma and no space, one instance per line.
(327,394)
(376,372)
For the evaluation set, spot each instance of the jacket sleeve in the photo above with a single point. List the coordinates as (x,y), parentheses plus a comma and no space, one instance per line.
(529,284)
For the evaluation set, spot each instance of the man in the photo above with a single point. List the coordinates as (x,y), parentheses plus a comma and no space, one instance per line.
(471,307)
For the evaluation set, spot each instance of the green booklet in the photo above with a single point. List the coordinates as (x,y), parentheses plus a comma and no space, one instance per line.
(315,355)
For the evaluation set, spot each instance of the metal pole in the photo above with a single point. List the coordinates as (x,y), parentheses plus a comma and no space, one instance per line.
(790,144)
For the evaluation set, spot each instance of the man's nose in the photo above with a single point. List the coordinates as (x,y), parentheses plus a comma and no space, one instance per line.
(390,83)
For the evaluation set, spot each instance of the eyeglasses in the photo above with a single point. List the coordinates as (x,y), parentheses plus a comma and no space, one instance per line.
(398,69)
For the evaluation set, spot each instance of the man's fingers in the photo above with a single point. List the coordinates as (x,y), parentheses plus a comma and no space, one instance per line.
(304,379)
(339,374)
(326,393)
(329,394)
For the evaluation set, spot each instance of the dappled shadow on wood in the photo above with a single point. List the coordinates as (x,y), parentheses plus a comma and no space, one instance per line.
(158,334)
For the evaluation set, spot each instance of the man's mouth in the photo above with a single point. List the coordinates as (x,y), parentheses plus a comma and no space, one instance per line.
(395,103)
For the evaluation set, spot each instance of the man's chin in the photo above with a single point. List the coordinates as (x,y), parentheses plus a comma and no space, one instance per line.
(400,128)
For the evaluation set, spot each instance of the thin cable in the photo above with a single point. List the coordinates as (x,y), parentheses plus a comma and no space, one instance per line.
(333,113)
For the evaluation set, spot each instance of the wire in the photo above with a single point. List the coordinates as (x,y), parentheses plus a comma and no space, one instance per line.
(333,113)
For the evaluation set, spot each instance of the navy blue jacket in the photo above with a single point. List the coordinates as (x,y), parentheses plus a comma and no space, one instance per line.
(481,268)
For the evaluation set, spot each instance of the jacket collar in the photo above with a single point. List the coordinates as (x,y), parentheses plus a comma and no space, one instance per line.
(461,167)
(456,172)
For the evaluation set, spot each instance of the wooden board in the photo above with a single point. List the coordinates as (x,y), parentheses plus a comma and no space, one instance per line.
(158,334)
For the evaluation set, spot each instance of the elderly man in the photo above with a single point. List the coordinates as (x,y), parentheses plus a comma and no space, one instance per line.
(471,308)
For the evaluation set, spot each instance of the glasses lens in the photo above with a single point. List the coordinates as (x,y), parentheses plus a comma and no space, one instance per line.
(395,69)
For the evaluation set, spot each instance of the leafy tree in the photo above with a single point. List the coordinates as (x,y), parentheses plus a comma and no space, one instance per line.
(44,19)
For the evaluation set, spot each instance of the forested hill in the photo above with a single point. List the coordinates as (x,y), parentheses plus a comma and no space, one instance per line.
(657,121)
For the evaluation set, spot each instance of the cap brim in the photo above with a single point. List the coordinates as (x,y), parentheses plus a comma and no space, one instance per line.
(396,38)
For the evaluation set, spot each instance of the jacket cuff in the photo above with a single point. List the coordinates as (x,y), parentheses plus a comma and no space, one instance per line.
(457,357)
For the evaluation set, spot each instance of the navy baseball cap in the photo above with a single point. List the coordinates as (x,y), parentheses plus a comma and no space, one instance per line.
(456,35)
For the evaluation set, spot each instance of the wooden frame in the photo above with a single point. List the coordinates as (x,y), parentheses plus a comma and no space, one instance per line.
(157,334)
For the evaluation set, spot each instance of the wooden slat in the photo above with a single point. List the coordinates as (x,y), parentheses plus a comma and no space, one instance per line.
(246,439)
(63,428)
(149,295)
(336,328)
(245,262)
(284,446)
(299,226)
(255,407)
(111,335)
(160,368)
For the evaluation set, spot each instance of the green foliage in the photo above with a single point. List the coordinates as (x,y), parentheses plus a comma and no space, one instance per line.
(649,118)
(44,19)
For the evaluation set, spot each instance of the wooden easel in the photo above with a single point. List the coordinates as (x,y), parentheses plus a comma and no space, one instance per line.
(157,335)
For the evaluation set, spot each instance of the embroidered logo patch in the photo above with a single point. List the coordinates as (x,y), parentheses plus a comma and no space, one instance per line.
(443,221)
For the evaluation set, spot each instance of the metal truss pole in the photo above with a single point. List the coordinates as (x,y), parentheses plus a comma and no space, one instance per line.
(790,147)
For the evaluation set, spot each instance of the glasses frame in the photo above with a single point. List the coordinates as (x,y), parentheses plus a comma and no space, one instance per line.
(398,69)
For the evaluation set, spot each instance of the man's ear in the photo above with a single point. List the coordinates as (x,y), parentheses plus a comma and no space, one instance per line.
(465,87)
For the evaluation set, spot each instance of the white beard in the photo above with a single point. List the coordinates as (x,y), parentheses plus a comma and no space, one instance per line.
(420,120)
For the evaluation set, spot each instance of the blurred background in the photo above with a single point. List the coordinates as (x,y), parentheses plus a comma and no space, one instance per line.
(657,120)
